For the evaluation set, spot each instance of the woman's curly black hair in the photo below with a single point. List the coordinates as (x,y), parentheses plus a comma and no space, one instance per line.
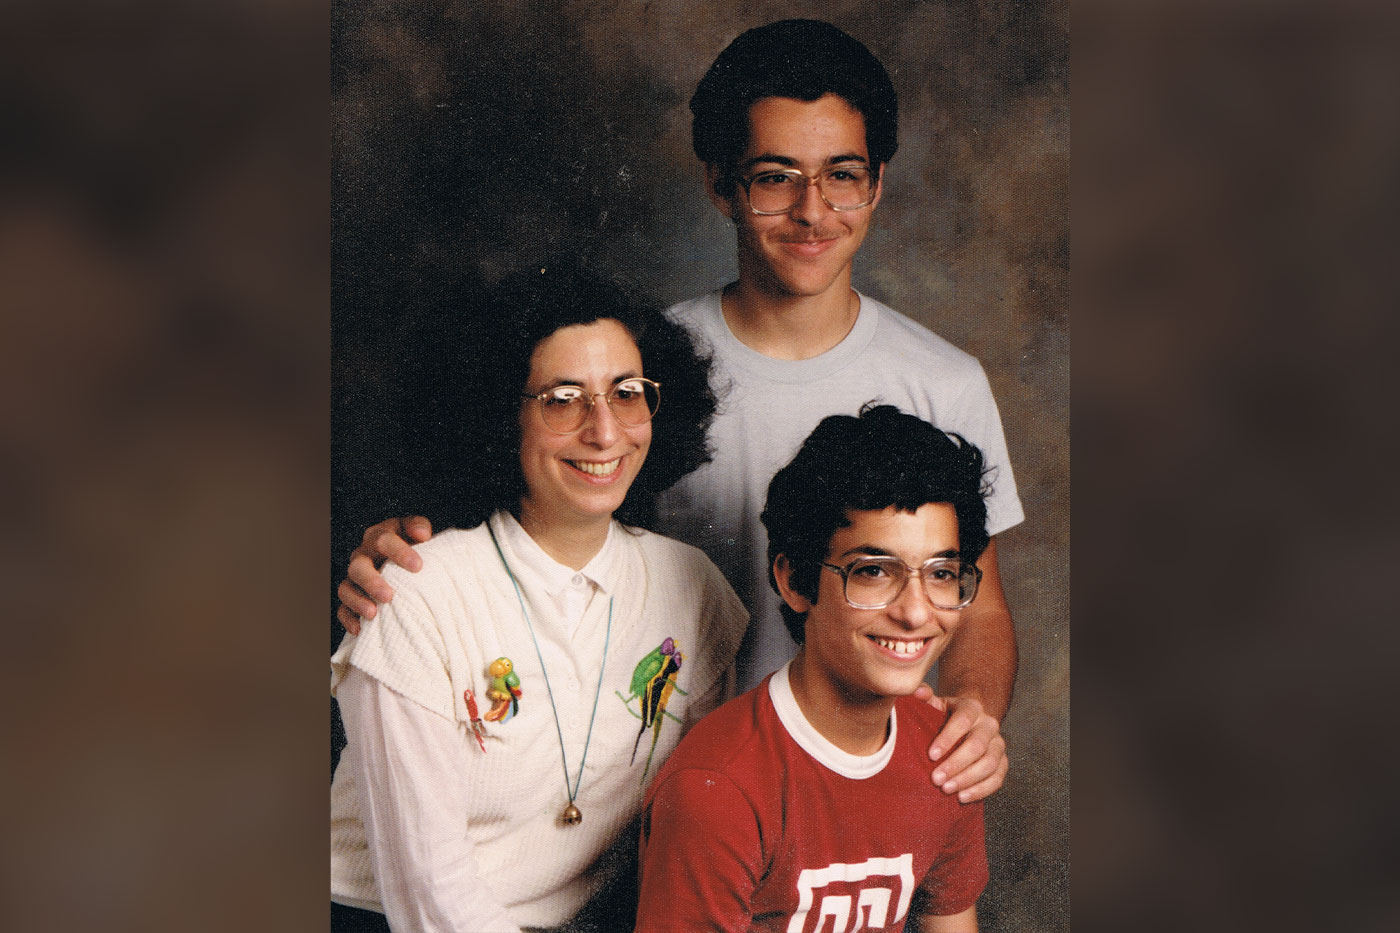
(464,414)
(883,457)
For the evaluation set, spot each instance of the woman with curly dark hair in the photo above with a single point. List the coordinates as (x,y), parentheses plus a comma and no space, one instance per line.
(504,712)
(464,418)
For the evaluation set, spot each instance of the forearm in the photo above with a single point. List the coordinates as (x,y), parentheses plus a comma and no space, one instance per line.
(424,864)
(980,662)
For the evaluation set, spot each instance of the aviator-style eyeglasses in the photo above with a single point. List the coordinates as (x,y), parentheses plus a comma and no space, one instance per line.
(875,582)
(565,409)
(842,187)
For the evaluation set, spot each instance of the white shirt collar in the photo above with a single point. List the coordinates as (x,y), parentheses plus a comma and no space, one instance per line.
(549,575)
(856,767)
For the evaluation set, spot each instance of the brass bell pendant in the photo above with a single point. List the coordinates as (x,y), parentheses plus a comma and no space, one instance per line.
(572,816)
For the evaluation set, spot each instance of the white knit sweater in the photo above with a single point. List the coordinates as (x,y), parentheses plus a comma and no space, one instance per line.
(436,639)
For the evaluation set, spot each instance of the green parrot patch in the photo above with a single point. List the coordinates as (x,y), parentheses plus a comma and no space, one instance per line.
(653,681)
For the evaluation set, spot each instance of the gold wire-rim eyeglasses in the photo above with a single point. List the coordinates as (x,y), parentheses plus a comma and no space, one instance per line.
(625,407)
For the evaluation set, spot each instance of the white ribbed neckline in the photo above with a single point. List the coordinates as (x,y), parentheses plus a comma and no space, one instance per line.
(856,767)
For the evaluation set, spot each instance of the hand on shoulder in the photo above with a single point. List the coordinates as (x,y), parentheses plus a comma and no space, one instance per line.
(969,749)
(364,586)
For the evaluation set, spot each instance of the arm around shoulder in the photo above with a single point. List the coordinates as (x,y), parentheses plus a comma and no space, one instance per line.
(976,674)
(981,660)
(364,586)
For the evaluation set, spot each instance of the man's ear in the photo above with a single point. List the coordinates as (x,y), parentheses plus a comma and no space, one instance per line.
(782,575)
(879,186)
(725,205)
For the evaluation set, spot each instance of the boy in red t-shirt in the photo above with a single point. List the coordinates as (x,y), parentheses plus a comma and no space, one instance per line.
(808,797)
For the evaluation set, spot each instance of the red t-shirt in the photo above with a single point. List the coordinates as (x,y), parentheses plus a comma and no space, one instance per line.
(757,823)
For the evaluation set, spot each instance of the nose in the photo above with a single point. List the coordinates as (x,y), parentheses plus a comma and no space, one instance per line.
(810,208)
(912,608)
(600,427)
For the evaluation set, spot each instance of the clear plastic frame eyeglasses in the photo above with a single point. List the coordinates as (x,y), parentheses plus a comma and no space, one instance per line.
(842,187)
(565,409)
(875,582)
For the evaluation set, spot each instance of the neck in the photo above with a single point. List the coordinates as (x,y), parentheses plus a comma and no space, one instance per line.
(857,725)
(571,544)
(789,327)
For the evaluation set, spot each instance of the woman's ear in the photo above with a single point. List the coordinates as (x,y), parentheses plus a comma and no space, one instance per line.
(782,575)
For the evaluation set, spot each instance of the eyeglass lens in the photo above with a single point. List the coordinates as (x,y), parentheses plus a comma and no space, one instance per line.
(875,582)
(843,188)
(632,402)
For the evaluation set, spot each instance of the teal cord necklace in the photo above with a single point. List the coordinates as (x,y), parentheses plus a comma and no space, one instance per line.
(571,814)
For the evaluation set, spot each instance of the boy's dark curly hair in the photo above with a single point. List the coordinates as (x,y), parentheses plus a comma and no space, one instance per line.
(465,413)
(881,458)
(804,59)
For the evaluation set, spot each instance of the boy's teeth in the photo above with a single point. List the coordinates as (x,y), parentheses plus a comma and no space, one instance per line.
(597,469)
(901,647)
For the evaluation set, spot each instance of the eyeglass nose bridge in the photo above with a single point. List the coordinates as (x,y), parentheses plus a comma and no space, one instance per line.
(969,570)
(808,181)
(591,411)
(652,407)
(909,574)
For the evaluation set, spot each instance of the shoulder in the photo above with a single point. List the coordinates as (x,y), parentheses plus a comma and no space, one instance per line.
(418,638)
(655,544)
(446,555)
(919,718)
(724,737)
(699,796)
(692,307)
(687,584)
(914,339)
(667,556)
(698,314)
(722,765)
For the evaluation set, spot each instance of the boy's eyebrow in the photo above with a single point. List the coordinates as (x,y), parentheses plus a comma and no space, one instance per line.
(792,163)
(866,550)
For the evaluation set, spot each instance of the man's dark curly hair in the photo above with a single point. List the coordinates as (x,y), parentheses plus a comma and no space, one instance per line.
(804,59)
(466,413)
(881,458)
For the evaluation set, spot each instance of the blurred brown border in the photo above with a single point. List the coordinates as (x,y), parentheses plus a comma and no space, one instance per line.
(1234,214)
(164,269)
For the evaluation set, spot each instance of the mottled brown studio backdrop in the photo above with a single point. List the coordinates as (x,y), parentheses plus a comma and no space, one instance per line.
(475,138)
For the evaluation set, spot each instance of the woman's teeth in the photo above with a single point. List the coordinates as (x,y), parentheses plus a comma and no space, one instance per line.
(596,469)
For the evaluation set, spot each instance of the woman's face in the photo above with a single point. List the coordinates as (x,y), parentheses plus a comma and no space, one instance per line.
(581,478)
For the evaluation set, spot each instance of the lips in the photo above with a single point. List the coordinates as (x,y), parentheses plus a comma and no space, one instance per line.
(807,248)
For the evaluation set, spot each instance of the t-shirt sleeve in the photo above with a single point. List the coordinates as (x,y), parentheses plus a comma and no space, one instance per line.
(701,855)
(976,418)
(959,874)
